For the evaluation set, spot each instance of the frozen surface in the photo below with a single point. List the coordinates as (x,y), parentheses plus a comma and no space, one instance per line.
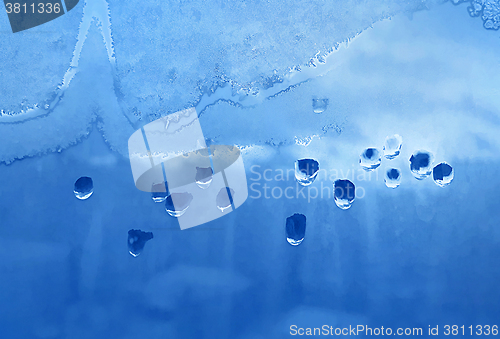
(416,256)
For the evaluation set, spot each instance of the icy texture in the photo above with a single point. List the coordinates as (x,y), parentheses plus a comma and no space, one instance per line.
(224,198)
(421,164)
(203,177)
(136,241)
(392,146)
(177,204)
(392,177)
(254,46)
(84,187)
(488,10)
(159,192)
(295,229)
(306,171)
(319,105)
(344,193)
(370,159)
(443,174)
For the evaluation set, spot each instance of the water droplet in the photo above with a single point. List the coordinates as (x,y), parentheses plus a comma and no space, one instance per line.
(392,177)
(392,146)
(84,187)
(370,159)
(443,174)
(344,192)
(177,204)
(306,171)
(159,192)
(224,199)
(204,176)
(319,105)
(295,229)
(421,164)
(136,241)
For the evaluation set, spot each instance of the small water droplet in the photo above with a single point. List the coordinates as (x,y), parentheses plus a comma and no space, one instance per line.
(392,146)
(421,164)
(344,193)
(370,159)
(319,105)
(306,171)
(84,187)
(204,176)
(295,229)
(224,199)
(159,192)
(392,177)
(136,241)
(177,204)
(443,174)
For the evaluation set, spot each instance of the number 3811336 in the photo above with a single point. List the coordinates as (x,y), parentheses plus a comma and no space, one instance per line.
(41,7)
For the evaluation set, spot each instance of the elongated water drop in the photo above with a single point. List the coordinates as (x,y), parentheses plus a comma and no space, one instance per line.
(344,193)
(295,229)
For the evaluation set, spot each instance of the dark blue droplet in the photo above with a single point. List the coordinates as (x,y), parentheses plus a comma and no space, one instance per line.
(393,173)
(136,241)
(84,187)
(344,193)
(295,229)
(308,166)
(442,174)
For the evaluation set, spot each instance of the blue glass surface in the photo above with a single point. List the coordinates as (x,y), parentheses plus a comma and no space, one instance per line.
(282,81)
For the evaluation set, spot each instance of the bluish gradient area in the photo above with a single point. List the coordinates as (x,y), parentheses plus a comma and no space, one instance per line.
(415,256)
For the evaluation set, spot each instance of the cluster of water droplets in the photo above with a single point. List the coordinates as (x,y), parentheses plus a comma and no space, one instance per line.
(421,162)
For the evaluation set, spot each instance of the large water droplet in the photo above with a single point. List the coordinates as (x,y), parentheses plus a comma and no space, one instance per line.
(177,204)
(136,241)
(204,176)
(392,146)
(370,159)
(223,199)
(84,187)
(295,229)
(344,192)
(319,105)
(421,164)
(159,192)
(306,171)
(392,177)
(443,174)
